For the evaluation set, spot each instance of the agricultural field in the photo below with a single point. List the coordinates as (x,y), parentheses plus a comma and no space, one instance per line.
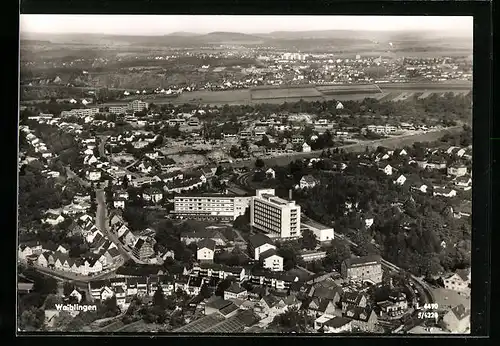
(426,86)
(285,93)
(288,99)
(353,88)
(216,97)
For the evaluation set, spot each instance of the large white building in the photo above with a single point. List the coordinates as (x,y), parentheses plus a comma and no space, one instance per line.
(210,207)
(322,233)
(80,112)
(275,216)
(137,106)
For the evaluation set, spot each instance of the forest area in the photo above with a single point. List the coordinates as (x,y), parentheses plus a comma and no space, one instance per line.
(408,228)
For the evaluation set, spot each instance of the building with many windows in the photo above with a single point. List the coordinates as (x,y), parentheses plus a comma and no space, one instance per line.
(210,206)
(275,216)
(367,268)
(118,109)
(80,112)
(137,106)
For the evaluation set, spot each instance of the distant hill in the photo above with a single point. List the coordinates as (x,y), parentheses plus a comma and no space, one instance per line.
(183,34)
(230,36)
(302,40)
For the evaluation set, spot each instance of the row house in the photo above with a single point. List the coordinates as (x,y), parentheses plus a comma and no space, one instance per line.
(273,280)
(179,186)
(443,191)
(28,249)
(212,270)
(320,307)
(138,182)
(169,177)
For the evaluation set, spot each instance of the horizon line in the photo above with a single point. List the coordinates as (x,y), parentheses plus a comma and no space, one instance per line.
(457,34)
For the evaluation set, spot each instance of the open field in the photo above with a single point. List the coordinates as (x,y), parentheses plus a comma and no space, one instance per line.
(426,86)
(218,97)
(350,87)
(288,99)
(350,92)
(285,93)
(308,93)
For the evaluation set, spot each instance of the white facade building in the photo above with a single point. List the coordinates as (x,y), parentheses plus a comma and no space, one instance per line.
(275,216)
(212,206)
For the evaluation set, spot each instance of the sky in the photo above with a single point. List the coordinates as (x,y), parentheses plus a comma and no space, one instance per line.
(165,24)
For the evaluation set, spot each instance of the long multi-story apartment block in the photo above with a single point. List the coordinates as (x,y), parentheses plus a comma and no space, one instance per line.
(80,112)
(275,216)
(210,206)
(134,106)
(117,109)
(137,105)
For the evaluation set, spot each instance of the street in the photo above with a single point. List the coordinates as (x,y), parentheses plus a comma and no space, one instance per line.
(102,150)
(73,175)
(102,224)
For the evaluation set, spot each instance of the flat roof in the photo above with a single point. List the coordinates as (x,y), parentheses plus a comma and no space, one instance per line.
(314,224)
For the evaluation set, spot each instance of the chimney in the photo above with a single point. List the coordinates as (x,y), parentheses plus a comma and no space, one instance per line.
(290,194)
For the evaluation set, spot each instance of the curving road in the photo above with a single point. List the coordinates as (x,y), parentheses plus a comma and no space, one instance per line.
(103,225)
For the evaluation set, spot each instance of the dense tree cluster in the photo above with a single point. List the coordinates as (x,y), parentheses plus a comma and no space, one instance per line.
(36,194)
(31,315)
(409,228)
(292,320)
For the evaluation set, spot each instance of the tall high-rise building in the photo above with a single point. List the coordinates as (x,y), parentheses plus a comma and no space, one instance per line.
(275,216)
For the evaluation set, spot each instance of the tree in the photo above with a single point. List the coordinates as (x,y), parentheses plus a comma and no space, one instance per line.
(32,319)
(125,182)
(159,297)
(68,287)
(292,320)
(259,163)
(235,152)
(51,301)
(309,240)
(205,291)
(336,254)
(259,176)
(242,222)
(45,285)
(219,171)
(244,145)
(110,307)
(222,286)
(289,255)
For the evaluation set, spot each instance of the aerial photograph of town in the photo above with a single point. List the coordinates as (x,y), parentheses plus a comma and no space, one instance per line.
(244,174)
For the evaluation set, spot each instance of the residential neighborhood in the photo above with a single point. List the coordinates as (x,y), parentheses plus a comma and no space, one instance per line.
(160,210)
